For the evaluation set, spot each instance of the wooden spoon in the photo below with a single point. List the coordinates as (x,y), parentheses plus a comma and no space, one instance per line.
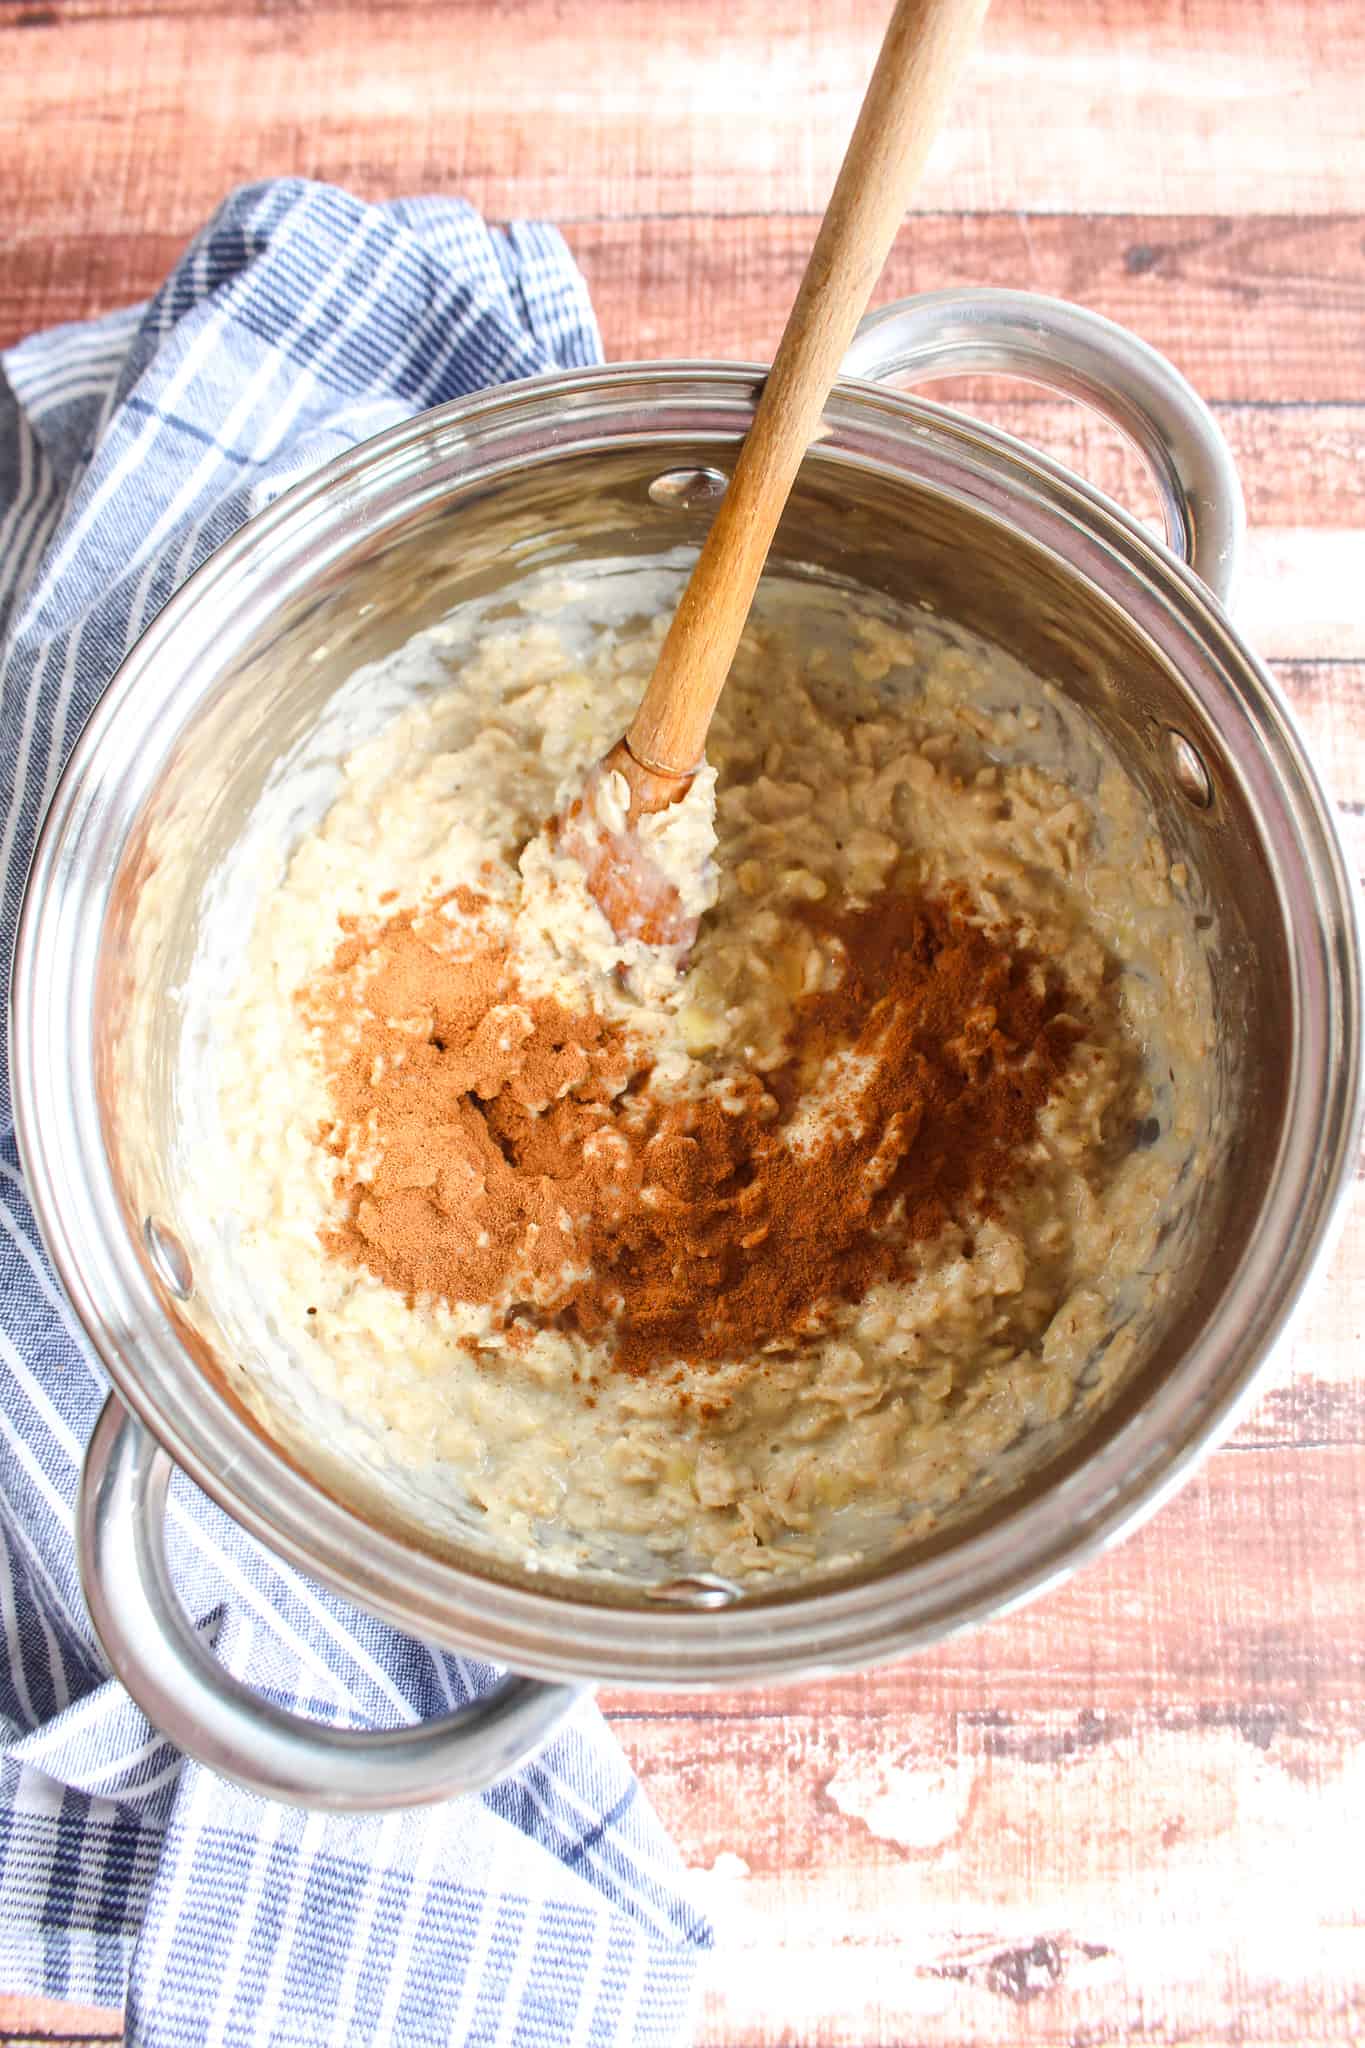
(925,48)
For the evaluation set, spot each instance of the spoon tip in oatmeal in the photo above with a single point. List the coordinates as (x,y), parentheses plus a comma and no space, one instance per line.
(599,829)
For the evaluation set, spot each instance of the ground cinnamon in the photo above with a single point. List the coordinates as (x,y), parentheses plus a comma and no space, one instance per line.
(497,1149)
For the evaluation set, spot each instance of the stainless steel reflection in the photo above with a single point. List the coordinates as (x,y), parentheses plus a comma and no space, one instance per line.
(902,499)
(187,1695)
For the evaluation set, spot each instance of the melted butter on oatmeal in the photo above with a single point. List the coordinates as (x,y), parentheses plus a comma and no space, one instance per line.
(920,767)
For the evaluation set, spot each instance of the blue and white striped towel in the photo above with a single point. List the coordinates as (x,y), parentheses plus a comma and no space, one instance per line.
(554,1908)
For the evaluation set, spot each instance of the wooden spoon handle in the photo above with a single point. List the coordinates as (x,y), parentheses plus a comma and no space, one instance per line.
(925,48)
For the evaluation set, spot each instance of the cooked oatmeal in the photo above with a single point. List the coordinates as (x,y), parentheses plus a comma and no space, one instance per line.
(922,770)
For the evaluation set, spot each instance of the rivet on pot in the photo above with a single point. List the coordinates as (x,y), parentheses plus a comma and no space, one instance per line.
(688,490)
(1187,768)
(170,1258)
(703,1592)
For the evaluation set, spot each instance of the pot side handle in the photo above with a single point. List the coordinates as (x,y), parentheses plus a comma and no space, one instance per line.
(1079,354)
(186,1694)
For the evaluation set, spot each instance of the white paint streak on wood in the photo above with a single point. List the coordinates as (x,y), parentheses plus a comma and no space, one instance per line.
(1066,1883)
(1303,593)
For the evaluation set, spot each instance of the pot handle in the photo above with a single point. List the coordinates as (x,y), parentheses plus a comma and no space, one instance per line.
(186,1694)
(1082,355)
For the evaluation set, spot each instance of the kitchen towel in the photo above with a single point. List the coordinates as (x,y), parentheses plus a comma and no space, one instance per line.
(553,1908)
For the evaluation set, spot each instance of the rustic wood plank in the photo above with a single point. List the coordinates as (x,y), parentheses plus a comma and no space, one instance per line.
(1074,1825)
(1328,698)
(1314,1391)
(1265,308)
(1120,1816)
(1308,1413)
(1147,27)
(53,2022)
(654,108)
(1077,1876)
(42,2023)
(1300,596)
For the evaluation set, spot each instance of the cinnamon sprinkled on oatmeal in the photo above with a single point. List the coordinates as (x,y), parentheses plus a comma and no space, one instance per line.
(495,1148)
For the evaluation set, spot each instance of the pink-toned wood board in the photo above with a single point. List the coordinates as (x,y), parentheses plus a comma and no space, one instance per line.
(1130,1813)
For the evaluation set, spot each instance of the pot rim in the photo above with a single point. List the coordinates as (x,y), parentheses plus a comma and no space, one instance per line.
(1125,1475)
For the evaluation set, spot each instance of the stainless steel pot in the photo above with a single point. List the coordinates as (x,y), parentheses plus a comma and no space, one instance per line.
(899,498)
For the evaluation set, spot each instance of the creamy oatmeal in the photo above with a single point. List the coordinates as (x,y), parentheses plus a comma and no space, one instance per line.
(553,1225)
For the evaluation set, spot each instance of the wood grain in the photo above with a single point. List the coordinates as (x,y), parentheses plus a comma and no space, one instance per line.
(1003,1877)
(1266,309)
(56,2025)
(1129,1813)
(1088,1808)
(1269,307)
(627,106)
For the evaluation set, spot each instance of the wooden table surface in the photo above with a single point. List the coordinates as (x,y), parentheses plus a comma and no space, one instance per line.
(1131,1813)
